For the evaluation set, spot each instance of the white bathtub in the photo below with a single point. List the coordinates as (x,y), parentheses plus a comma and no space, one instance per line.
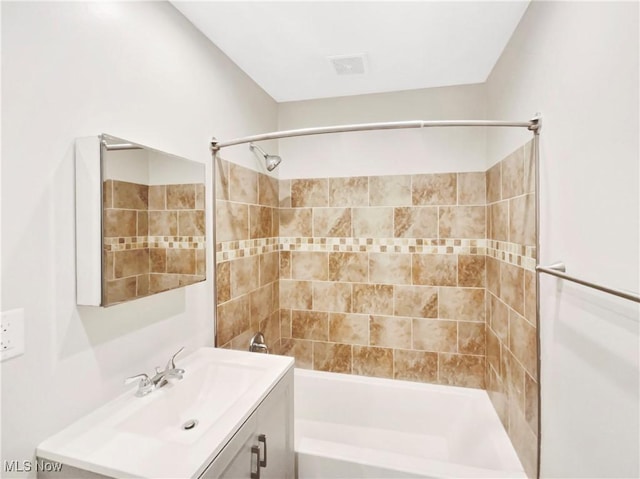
(350,427)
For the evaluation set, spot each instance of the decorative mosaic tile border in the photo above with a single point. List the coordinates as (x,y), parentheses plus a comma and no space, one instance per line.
(142,242)
(512,253)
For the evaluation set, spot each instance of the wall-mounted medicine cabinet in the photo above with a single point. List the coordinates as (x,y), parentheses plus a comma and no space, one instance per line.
(140,221)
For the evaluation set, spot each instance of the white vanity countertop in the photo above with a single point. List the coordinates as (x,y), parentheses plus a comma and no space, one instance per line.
(143,436)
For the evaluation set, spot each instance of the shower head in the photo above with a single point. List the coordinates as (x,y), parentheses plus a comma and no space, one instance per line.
(271,161)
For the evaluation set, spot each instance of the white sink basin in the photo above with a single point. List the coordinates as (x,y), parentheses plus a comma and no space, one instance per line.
(145,437)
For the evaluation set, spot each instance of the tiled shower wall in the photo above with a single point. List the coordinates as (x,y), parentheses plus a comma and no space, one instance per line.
(154,238)
(385,275)
(246,256)
(512,357)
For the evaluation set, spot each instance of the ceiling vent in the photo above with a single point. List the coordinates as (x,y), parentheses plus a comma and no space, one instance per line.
(349,64)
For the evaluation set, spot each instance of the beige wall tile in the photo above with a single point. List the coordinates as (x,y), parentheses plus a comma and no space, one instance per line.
(494,183)
(285,264)
(107,194)
(332,357)
(462,304)
(222,179)
(435,335)
(331,296)
(201,199)
(349,328)
(118,223)
(371,361)
(415,365)
(285,323)
(108,265)
(390,332)
(181,261)
(493,275)
(493,350)
(121,290)
(434,269)
(142,287)
(232,221)
(498,221)
(191,223)
(461,370)
(499,319)
(233,319)
(261,306)
(158,260)
(163,223)
(157,197)
(143,223)
(530,304)
(372,222)
(268,191)
(372,298)
(352,191)
(296,222)
(244,275)
(201,262)
(390,268)
(331,222)
(416,301)
(471,338)
(131,196)
(524,441)
(350,267)
(512,286)
(268,268)
(472,188)
(223,281)
(514,378)
(523,342)
(130,262)
(309,265)
(243,184)
(163,282)
(310,325)
(434,189)
(284,197)
(531,402)
(471,270)
(415,222)
(295,294)
(390,190)
(522,220)
(181,197)
(309,192)
(462,222)
(513,174)
(260,222)
(299,349)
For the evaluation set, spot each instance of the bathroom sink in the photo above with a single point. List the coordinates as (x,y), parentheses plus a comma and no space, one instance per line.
(177,430)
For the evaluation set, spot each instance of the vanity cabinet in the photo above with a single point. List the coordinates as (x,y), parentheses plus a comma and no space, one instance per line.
(263,447)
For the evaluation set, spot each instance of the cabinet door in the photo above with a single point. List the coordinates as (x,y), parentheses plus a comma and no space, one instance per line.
(275,423)
(236,460)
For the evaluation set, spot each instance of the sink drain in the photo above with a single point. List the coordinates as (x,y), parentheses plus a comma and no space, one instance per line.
(190,424)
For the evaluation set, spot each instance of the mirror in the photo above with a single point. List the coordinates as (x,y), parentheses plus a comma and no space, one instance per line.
(152,231)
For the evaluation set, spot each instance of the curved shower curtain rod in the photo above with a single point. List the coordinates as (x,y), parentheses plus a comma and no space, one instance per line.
(533,125)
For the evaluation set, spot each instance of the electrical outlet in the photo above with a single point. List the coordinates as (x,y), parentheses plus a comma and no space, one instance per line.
(11,334)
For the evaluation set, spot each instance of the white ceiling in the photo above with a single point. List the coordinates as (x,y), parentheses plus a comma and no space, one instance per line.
(284,46)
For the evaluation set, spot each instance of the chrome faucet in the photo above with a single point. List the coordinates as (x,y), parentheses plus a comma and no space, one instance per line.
(148,384)
(257,344)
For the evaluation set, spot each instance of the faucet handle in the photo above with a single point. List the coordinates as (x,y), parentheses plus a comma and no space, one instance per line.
(171,363)
(144,380)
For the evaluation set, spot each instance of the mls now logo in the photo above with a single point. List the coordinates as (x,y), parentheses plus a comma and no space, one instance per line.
(28,466)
